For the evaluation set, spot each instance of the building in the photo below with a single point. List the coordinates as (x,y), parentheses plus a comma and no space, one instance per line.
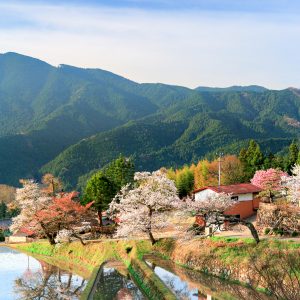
(245,194)
(5,224)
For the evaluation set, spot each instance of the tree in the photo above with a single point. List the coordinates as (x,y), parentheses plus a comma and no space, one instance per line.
(232,170)
(143,208)
(62,214)
(252,159)
(30,201)
(44,215)
(53,184)
(101,190)
(120,172)
(184,181)
(292,156)
(3,210)
(213,210)
(268,180)
(292,185)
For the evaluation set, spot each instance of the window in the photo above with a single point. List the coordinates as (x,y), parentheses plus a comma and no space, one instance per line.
(235,198)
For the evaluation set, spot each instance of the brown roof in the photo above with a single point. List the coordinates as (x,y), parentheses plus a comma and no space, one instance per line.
(239,188)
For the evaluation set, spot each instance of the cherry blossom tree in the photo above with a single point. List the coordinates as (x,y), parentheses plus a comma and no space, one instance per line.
(292,185)
(62,213)
(46,216)
(213,211)
(143,209)
(269,180)
(30,200)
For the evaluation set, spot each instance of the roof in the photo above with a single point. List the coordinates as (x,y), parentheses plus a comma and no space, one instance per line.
(5,223)
(239,188)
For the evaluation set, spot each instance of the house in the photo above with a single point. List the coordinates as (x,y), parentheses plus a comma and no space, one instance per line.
(245,194)
(22,236)
(5,224)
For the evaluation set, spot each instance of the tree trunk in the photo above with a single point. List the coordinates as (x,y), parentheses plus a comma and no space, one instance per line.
(80,239)
(252,230)
(48,235)
(100,217)
(152,239)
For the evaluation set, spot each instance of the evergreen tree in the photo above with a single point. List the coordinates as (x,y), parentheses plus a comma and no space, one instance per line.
(292,156)
(252,159)
(3,210)
(184,182)
(120,171)
(101,190)
(298,159)
(106,183)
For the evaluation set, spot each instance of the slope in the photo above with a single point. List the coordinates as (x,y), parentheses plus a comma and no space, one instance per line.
(187,130)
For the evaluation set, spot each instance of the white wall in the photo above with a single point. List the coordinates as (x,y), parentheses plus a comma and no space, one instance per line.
(245,197)
(202,195)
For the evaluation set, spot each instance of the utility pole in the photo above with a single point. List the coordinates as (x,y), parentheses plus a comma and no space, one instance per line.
(220,154)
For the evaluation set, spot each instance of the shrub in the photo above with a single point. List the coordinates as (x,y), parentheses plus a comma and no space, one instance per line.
(267,231)
(294,233)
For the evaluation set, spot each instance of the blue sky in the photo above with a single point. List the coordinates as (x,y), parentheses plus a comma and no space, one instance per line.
(191,42)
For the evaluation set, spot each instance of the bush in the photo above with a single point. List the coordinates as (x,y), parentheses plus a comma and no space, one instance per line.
(278,231)
(267,231)
(2,237)
(294,233)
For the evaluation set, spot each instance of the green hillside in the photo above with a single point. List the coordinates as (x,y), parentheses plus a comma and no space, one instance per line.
(70,121)
(44,109)
(188,130)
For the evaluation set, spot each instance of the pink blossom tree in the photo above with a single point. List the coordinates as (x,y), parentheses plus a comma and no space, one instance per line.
(292,185)
(46,216)
(269,180)
(143,209)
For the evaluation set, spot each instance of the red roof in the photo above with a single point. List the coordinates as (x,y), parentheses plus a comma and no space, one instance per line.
(239,188)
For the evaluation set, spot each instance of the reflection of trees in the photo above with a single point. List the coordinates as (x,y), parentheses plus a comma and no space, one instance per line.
(112,285)
(181,293)
(48,283)
(206,285)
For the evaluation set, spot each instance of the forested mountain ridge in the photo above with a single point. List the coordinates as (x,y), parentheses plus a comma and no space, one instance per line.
(198,125)
(46,109)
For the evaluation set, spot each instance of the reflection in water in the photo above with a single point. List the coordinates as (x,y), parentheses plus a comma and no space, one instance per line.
(114,283)
(189,284)
(179,287)
(48,283)
(27,278)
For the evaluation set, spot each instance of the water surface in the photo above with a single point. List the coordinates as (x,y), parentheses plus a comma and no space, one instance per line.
(188,284)
(24,277)
(115,283)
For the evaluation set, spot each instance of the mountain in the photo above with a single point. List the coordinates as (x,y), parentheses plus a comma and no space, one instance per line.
(188,130)
(70,121)
(44,109)
(235,88)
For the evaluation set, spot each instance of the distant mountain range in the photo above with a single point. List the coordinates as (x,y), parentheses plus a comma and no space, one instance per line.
(70,121)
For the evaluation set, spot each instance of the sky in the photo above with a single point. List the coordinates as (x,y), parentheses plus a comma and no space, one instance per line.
(189,42)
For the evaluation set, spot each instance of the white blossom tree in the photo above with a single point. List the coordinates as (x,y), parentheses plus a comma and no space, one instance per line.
(142,209)
(30,200)
(292,185)
(213,211)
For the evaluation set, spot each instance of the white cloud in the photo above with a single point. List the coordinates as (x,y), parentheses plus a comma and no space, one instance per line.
(181,47)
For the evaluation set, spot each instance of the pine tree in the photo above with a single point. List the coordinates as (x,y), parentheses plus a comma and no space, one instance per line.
(3,210)
(292,156)
(252,159)
(101,190)
(120,172)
